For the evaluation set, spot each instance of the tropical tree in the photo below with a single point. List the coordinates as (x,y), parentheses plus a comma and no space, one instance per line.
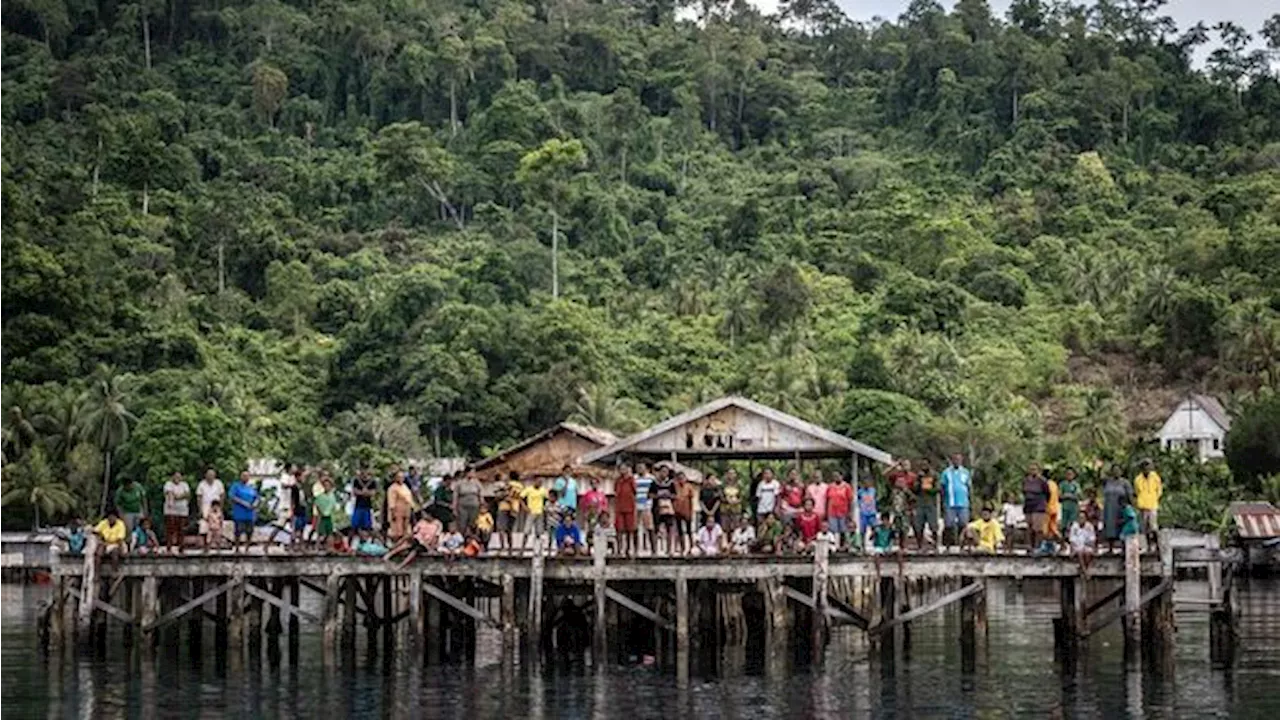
(598,406)
(1097,422)
(106,418)
(546,173)
(31,483)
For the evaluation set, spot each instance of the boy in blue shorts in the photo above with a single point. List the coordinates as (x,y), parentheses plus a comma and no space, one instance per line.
(866,507)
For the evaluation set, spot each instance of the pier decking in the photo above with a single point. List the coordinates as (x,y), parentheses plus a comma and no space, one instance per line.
(538,602)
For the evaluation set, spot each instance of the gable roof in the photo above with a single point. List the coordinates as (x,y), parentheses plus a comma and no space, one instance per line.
(596,435)
(1213,409)
(777,416)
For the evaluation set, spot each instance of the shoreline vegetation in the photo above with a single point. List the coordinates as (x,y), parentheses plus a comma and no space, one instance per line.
(352,232)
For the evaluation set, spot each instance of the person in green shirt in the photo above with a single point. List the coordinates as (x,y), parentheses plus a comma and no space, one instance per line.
(769,538)
(131,502)
(1069,498)
(324,506)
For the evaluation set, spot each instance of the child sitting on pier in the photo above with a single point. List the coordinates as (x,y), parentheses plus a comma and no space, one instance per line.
(884,537)
(366,545)
(1013,518)
(744,536)
(770,535)
(75,537)
(451,544)
(1084,538)
(143,539)
(483,525)
(425,539)
(213,525)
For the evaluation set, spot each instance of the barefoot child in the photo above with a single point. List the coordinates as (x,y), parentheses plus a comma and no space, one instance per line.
(1083,539)
(213,525)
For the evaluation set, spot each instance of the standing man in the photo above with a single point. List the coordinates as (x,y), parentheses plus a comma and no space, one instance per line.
(509,504)
(400,507)
(624,508)
(413,480)
(535,499)
(767,493)
(208,491)
(902,487)
(566,487)
(131,501)
(1035,504)
(244,501)
(956,482)
(926,505)
(1148,488)
(177,507)
(364,488)
(644,509)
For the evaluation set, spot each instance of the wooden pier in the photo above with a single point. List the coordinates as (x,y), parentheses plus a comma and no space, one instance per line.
(540,605)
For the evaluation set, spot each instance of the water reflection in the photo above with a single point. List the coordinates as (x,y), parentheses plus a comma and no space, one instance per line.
(1014,673)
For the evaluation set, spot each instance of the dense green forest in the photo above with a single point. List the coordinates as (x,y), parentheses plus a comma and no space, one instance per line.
(354,229)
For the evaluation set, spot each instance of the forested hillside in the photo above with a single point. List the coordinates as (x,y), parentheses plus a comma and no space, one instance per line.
(340,229)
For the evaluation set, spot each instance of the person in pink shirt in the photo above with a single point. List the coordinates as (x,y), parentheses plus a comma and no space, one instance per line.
(816,491)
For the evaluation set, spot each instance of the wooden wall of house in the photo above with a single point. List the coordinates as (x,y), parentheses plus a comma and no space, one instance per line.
(545,458)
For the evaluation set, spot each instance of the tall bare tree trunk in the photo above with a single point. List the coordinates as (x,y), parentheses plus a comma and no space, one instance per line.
(106,482)
(453,107)
(146,35)
(146,197)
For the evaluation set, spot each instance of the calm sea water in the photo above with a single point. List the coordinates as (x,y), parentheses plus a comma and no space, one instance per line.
(1016,677)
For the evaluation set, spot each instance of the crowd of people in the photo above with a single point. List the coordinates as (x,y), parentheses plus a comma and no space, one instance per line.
(654,511)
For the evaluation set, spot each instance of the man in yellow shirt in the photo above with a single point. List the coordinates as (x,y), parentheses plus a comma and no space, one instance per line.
(1148,488)
(986,532)
(535,498)
(111,532)
(509,505)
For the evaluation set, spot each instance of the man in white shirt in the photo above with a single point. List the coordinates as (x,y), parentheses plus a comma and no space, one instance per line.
(177,506)
(209,489)
(709,537)
(767,495)
(744,536)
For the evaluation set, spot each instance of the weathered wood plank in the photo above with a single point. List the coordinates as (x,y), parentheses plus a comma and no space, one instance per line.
(832,612)
(457,604)
(938,604)
(113,611)
(637,608)
(1104,600)
(284,605)
(1110,617)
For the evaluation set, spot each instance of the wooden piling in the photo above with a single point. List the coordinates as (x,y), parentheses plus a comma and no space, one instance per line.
(599,549)
(416,616)
(819,622)
(149,611)
(507,612)
(253,622)
(332,601)
(295,632)
(434,633)
(195,621)
(1072,607)
(1132,597)
(349,612)
(535,602)
(682,629)
(235,615)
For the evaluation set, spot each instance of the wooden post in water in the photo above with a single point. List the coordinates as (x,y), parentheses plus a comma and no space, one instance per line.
(235,615)
(1071,604)
(195,622)
(417,618)
(332,601)
(295,632)
(1215,569)
(682,629)
(388,612)
(148,612)
(599,549)
(535,603)
(820,560)
(349,612)
(1132,597)
(56,627)
(253,623)
(507,612)
(434,634)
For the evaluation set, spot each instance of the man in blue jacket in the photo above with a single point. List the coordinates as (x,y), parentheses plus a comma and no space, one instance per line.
(956,483)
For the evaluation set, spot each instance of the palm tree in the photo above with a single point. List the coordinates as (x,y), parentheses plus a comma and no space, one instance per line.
(597,406)
(31,483)
(19,430)
(106,418)
(60,423)
(1097,422)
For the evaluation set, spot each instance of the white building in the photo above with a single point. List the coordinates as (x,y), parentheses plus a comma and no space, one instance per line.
(1199,421)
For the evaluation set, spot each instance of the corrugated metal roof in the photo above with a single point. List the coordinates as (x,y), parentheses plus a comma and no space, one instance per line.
(1256,520)
(1213,409)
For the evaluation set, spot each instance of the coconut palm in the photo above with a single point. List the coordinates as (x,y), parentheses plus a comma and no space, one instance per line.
(19,429)
(1097,422)
(60,423)
(106,419)
(31,483)
(597,406)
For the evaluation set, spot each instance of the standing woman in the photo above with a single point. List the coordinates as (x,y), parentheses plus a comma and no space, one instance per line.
(467,499)
(442,502)
(1117,494)
(709,498)
(400,507)
(1069,498)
